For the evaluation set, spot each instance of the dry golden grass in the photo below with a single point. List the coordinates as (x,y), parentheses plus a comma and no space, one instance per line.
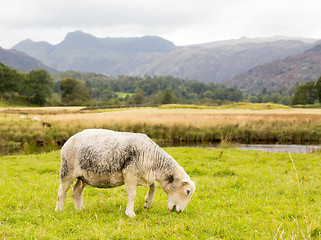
(187,117)
(39,110)
(164,125)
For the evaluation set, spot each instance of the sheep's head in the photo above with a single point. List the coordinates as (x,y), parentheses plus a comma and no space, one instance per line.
(179,191)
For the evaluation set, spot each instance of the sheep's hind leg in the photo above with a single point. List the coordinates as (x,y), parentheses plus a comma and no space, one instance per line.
(62,191)
(77,191)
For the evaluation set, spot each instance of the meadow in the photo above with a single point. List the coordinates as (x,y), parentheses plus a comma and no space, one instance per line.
(251,123)
(239,195)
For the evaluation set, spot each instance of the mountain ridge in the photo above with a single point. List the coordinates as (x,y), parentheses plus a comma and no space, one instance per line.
(83,52)
(21,61)
(136,56)
(215,64)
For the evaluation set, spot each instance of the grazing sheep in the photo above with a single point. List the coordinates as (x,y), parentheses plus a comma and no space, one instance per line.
(36,119)
(107,159)
(45,124)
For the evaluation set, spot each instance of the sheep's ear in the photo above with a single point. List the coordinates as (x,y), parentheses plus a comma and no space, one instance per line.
(185,181)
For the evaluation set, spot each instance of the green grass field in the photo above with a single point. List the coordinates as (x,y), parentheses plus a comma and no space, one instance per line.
(123,94)
(239,195)
(16,101)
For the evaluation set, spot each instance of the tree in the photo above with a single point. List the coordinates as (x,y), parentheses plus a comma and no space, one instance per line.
(38,86)
(318,89)
(197,87)
(304,94)
(107,94)
(139,96)
(10,80)
(158,98)
(207,94)
(74,92)
(168,96)
(233,94)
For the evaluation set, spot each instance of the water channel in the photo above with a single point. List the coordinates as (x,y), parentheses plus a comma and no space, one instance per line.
(280,148)
(291,148)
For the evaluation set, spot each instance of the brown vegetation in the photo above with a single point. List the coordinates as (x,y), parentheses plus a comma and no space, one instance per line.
(162,125)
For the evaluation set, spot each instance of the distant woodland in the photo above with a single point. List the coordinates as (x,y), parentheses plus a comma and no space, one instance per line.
(147,90)
(72,88)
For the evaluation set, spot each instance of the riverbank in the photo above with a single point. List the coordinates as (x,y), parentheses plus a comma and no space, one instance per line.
(22,130)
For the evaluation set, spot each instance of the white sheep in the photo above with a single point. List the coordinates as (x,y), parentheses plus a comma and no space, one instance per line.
(36,119)
(106,159)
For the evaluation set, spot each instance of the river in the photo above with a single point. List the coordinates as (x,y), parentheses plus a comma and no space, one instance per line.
(291,148)
(280,148)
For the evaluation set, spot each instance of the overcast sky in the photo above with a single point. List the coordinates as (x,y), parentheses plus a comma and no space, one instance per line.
(180,21)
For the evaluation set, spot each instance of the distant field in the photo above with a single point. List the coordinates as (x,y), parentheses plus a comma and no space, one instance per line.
(254,123)
(234,105)
(39,110)
(16,101)
(123,94)
(239,195)
(198,117)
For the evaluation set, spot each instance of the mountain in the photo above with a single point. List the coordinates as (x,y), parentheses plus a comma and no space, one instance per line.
(111,56)
(290,71)
(216,62)
(209,62)
(21,61)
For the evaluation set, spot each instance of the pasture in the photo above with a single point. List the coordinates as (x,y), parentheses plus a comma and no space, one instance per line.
(239,195)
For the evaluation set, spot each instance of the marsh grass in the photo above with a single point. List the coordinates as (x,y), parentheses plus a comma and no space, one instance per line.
(232,105)
(240,195)
(295,126)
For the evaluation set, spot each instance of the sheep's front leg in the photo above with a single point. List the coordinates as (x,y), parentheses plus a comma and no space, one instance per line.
(150,195)
(131,185)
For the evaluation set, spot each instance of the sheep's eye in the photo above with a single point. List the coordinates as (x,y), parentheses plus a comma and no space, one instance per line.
(188,192)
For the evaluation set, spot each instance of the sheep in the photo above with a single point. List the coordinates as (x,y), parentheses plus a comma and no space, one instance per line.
(45,124)
(106,159)
(36,119)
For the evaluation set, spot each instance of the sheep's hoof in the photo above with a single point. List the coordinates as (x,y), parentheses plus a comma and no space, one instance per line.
(147,204)
(130,214)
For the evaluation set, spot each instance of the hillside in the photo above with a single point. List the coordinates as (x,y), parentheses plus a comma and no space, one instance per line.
(210,62)
(21,61)
(290,71)
(217,62)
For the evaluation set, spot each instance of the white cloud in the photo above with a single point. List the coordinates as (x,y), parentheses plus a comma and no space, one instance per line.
(181,21)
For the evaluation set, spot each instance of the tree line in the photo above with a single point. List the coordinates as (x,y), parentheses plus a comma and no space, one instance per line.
(76,88)
(145,90)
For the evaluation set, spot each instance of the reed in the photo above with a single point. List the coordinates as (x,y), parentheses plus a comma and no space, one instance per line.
(163,125)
